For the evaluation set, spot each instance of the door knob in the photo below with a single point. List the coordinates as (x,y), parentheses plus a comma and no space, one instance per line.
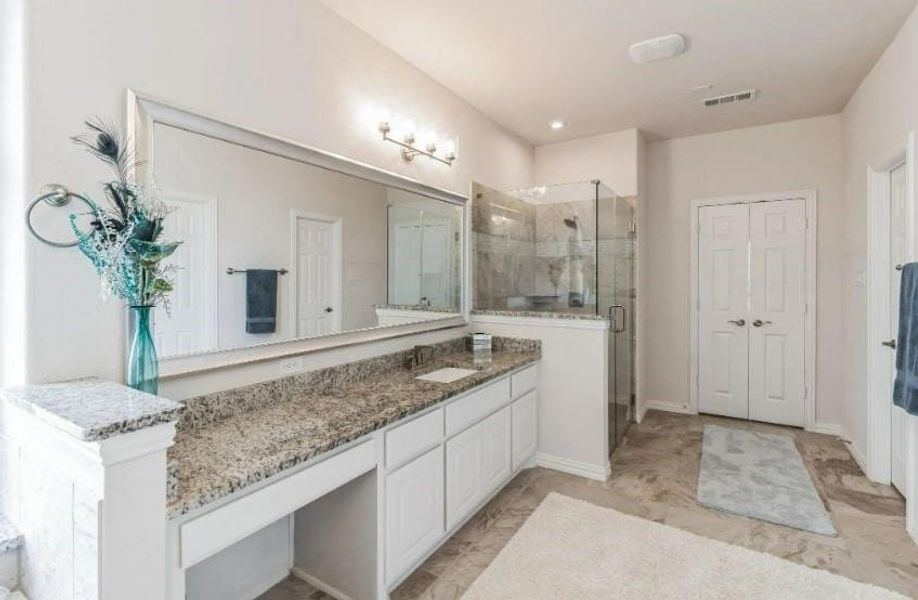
(760,322)
(329,309)
(738,322)
(890,344)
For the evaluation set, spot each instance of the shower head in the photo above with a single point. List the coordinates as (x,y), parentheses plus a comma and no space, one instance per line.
(571,222)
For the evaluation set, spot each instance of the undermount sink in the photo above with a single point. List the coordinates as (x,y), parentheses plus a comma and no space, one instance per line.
(447,375)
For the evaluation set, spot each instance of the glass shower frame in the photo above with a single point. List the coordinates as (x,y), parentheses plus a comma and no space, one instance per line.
(563,249)
(616,296)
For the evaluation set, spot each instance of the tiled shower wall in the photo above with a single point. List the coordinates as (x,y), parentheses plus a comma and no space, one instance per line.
(522,253)
(503,259)
(521,260)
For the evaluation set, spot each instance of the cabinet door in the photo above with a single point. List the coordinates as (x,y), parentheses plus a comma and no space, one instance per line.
(414,511)
(496,454)
(525,429)
(464,461)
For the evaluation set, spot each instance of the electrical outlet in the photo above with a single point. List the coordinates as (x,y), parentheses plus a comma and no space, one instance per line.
(289,366)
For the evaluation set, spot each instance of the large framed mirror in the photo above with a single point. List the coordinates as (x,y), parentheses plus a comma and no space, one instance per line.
(286,248)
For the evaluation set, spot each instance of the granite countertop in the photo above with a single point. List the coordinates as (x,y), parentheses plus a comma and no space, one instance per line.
(540,314)
(92,409)
(420,308)
(216,459)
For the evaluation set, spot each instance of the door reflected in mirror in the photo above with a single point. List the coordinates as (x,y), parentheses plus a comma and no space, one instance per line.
(277,249)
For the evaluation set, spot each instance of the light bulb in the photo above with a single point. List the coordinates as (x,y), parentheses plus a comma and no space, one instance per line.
(402,127)
(449,149)
(426,137)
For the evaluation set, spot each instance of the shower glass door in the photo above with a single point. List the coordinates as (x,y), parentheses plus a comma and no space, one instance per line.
(615,299)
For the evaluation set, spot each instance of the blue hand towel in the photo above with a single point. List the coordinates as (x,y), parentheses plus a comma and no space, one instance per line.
(260,301)
(905,389)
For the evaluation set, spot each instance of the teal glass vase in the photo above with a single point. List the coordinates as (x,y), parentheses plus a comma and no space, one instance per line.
(143,366)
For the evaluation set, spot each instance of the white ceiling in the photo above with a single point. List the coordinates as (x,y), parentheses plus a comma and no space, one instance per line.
(526,62)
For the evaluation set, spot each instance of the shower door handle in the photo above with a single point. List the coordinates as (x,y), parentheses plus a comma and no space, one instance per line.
(614,320)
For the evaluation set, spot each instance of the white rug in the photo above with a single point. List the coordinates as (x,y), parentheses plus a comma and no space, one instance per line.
(572,549)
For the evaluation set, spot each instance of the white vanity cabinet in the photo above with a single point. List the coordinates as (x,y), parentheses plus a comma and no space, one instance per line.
(477,462)
(464,462)
(414,510)
(525,428)
(481,440)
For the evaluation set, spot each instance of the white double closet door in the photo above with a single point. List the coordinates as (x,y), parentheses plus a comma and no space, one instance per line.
(752,306)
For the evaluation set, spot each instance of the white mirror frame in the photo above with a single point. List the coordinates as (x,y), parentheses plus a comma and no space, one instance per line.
(145,111)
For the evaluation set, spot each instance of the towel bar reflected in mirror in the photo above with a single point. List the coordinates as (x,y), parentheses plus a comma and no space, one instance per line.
(232,271)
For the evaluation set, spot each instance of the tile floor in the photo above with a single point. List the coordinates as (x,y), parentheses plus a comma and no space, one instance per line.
(654,476)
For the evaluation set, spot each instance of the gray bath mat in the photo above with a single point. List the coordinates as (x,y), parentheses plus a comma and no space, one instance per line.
(762,476)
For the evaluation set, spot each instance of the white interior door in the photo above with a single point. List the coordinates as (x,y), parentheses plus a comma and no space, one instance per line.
(777,300)
(318,276)
(723,298)
(435,264)
(898,255)
(406,278)
(190,325)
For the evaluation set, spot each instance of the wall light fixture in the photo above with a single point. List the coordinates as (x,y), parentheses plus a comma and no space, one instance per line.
(409,150)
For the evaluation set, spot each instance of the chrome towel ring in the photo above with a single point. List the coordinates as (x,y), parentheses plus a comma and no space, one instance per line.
(55,195)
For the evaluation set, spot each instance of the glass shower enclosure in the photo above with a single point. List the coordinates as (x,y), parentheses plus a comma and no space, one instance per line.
(565,249)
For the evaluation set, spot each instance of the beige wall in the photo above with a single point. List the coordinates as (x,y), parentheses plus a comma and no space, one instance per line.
(289,67)
(611,157)
(797,155)
(875,122)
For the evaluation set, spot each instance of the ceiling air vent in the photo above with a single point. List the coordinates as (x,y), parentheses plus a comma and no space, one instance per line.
(730,98)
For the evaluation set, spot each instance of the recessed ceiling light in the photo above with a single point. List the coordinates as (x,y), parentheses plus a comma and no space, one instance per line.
(556,124)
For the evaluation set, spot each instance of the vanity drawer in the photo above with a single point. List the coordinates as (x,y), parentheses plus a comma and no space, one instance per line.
(477,405)
(524,381)
(411,439)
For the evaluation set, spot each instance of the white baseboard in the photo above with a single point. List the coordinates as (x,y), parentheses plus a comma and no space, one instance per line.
(840,432)
(856,454)
(829,429)
(574,467)
(319,584)
(641,410)
(667,406)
